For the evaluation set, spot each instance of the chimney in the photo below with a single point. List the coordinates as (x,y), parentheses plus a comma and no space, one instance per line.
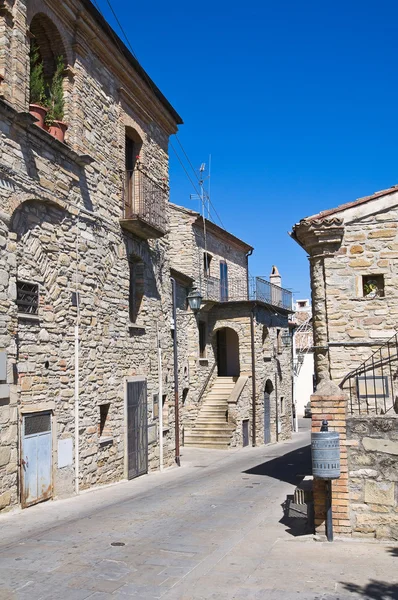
(275,278)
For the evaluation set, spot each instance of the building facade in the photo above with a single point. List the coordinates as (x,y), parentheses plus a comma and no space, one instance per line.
(85,291)
(235,354)
(353,258)
(303,355)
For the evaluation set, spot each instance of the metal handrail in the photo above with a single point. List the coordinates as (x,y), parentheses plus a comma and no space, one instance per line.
(207,380)
(237,290)
(373,385)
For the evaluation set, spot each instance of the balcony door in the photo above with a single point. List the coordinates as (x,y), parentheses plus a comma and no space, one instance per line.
(131,193)
(223,281)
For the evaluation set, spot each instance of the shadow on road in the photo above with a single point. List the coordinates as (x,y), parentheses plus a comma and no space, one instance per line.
(291,467)
(377,590)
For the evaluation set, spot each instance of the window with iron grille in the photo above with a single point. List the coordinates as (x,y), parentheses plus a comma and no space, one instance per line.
(27,298)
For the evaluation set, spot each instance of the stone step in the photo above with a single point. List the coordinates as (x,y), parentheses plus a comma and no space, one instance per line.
(208,445)
(203,439)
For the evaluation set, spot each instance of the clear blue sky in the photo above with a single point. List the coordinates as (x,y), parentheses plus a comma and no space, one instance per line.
(295,101)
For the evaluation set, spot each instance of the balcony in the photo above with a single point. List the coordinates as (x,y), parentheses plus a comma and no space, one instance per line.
(235,290)
(144,205)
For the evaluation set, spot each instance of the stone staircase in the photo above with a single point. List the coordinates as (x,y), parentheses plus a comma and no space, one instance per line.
(211,429)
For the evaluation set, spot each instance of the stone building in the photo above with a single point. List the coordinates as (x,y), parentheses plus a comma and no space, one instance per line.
(303,355)
(85,291)
(353,252)
(235,353)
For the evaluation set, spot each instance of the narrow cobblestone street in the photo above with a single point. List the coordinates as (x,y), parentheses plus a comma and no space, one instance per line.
(212,529)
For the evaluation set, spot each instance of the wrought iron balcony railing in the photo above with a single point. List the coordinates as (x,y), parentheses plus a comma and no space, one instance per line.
(145,205)
(235,290)
(372,388)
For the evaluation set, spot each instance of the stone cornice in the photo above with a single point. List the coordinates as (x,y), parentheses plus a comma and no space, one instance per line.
(320,237)
(139,91)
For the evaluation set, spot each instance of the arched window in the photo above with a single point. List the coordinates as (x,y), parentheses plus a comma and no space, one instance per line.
(47,67)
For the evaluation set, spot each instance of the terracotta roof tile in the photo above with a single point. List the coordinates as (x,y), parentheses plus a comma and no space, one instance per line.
(332,211)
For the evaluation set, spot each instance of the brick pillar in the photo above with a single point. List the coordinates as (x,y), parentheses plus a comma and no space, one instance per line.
(330,403)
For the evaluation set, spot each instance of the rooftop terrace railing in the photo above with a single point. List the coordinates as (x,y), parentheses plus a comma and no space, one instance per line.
(235,290)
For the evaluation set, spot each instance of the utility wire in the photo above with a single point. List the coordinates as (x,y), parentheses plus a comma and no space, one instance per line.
(150,83)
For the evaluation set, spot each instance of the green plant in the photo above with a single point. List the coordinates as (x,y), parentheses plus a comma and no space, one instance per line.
(37,84)
(370,288)
(56,104)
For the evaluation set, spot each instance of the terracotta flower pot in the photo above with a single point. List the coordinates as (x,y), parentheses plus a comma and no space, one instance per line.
(39,112)
(58,129)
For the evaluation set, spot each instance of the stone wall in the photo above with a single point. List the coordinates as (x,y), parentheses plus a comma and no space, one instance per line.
(59,228)
(369,247)
(373,476)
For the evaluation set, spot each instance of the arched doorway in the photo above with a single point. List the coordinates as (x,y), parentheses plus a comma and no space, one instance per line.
(268,389)
(228,353)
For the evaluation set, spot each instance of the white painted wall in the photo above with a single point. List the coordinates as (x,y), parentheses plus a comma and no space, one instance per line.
(304,385)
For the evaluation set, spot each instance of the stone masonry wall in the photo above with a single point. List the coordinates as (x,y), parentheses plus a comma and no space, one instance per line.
(369,247)
(373,476)
(60,206)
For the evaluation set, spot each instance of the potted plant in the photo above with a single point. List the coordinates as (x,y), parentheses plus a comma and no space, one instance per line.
(55,114)
(38,99)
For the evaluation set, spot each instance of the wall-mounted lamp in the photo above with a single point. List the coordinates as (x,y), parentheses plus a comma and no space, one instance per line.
(194,300)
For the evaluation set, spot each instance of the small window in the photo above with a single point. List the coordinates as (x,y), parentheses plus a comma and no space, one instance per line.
(136,291)
(278,341)
(206,263)
(282,405)
(155,406)
(373,286)
(104,429)
(75,299)
(27,298)
(202,339)
(165,407)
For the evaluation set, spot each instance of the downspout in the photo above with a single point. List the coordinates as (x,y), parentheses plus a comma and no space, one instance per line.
(254,392)
(176,400)
(77,474)
(253,378)
(276,407)
(160,400)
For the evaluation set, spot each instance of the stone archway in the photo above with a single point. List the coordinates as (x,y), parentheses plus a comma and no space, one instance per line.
(227,344)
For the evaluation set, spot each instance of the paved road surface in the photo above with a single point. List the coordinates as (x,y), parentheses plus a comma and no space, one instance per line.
(212,529)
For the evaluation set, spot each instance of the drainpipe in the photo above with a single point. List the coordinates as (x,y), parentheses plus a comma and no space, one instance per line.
(252,352)
(160,400)
(77,366)
(253,378)
(176,401)
(276,405)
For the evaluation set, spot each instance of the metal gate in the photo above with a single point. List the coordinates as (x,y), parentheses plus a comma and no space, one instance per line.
(36,458)
(267,418)
(137,428)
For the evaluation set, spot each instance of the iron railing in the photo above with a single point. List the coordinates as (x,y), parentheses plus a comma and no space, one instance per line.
(273,294)
(372,388)
(145,199)
(235,290)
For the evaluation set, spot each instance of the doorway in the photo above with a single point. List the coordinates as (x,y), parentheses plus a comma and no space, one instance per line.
(137,428)
(36,458)
(228,353)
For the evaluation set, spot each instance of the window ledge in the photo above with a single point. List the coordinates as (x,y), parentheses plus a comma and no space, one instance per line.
(204,361)
(27,122)
(105,440)
(365,299)
(28,317)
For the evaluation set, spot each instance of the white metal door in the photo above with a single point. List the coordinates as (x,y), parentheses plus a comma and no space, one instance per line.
(36,458)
